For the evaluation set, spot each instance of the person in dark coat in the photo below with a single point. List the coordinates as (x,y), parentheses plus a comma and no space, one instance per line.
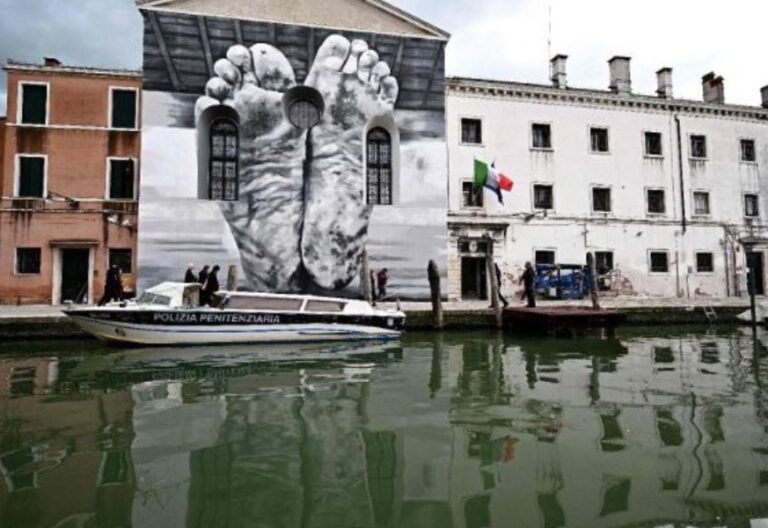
(382,277)
(189,276)
(497,269)
(211,285)
(373,285)
(527,279)
(201,279)
(113,286)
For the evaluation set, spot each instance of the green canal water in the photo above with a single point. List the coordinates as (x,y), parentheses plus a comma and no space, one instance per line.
(456,430)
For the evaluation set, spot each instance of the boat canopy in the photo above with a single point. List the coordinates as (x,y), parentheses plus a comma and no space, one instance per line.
(172,294)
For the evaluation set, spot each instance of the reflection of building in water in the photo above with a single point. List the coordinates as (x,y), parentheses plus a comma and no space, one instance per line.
(64,460)
(598,438)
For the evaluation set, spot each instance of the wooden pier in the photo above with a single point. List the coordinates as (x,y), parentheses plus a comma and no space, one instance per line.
(554,321)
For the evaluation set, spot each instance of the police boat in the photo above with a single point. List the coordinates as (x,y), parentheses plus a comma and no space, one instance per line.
(169,314)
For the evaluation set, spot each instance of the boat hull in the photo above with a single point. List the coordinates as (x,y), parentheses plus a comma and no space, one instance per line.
(210,328)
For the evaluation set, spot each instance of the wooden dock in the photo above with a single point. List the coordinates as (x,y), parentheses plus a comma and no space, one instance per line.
(554,321)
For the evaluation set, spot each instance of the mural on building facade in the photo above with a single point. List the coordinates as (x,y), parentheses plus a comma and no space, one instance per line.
(287,153)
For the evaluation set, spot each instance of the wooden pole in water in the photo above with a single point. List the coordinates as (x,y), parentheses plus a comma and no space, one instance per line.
(434,287)
(365,278)
(232,278)
(752,310)
(593,294)
(494,280)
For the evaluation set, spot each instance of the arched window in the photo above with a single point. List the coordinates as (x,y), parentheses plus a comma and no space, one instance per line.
(222,179)
(379,173)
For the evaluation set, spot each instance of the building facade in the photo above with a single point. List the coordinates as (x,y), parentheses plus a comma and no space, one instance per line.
(69,185)
(669,194)
(291,141)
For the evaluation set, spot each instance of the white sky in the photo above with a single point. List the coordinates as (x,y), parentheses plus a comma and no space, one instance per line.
(502,39)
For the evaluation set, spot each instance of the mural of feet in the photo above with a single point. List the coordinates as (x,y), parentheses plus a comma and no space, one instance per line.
(301,223)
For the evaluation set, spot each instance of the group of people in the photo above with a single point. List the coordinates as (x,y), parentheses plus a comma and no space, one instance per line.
(379,284)
(527,279)
(208,279)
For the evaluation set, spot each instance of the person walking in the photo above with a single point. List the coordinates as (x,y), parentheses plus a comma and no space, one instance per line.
(527,279)
(113,286)
(498,283)
(202,278)
(189,276)
(382,277)
(211,285)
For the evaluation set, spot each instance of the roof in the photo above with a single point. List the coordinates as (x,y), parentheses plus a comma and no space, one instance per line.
(357,15)
(544,92)
(13,65)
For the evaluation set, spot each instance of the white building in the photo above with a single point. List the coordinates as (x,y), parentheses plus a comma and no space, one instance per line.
(668,193)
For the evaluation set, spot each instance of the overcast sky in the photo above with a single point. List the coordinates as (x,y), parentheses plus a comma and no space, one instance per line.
(501,39)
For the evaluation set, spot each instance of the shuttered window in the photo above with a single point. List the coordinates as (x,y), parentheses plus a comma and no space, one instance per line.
(121,179)
(34,104)
(31,177)
(123,109)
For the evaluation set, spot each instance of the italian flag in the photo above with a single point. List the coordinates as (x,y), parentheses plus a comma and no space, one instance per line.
(487,176)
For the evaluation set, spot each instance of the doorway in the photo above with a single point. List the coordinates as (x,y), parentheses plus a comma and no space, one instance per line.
(755,265)
(474,281)
(75,274)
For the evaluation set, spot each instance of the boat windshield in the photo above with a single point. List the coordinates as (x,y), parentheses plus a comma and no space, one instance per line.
(153,298)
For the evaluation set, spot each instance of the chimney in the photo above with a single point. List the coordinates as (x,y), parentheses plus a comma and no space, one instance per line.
(52,62)
(557,67)
(764,94)
(664,80)
(713,88)
(621,81)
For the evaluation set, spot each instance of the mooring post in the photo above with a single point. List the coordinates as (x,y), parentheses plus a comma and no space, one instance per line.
(752,310)
(365,278)
(232,278)
(434,287)
(592,270)
(495,301)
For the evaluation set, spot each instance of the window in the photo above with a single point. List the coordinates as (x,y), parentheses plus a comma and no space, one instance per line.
(31,177)
(748,150)
(653,144)
(701,203)
(603,261)
(699,147)
(542,136)
(542,197)
(123,108)
(222,182)
(470,196)
(544,257)
(598,139)
(121,179)
(659,261)
(751,207)
(122,258)
(27,260)
(601,199)
(656,203)
(704,263)
(471,132)
(379,175)
(34,104)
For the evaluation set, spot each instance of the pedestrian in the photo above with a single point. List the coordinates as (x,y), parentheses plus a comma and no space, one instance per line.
(498,283)
(527,279)
(373,285)
(113,286)
(201,279)
(211,285)
(382,277)
(189,276)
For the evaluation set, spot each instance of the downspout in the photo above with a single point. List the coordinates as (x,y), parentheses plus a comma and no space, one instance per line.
(683,223)
(725,260)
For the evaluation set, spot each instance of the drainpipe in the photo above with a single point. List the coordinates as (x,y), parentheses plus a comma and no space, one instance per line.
(680,165)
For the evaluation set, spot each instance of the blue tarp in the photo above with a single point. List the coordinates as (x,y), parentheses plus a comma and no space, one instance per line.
(562,281)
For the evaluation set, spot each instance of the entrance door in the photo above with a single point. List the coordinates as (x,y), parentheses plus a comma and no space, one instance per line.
(474,283)
(755,264)
(74,274)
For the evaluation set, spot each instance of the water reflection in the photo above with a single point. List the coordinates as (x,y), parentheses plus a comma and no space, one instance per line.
(439,431)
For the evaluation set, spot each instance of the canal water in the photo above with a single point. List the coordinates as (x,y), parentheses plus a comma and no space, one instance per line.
(456,430)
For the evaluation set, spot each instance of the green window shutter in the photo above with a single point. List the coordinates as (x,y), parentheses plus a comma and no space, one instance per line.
(121,179)
(34,104)
(31,177)
(123,109)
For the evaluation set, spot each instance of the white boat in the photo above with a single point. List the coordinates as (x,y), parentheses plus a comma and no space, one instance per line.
(168,314)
